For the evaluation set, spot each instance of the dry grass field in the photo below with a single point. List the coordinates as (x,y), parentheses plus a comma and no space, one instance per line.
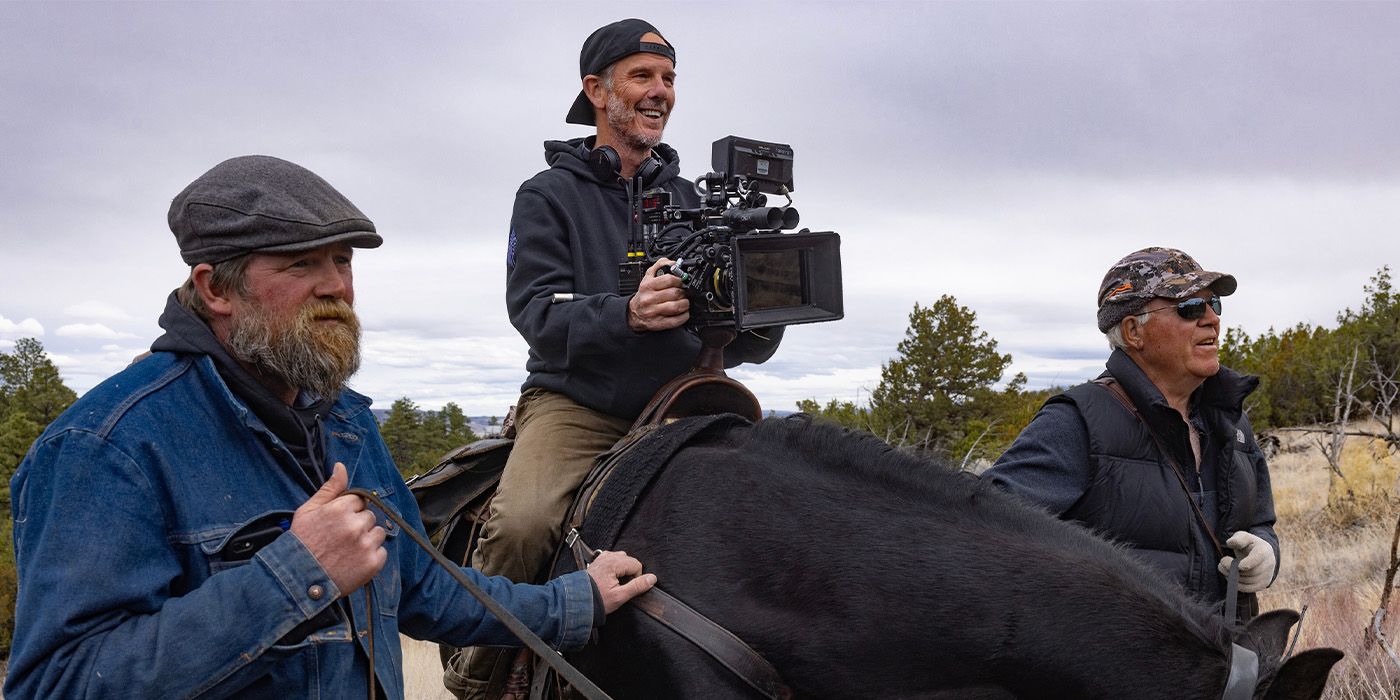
(1335,556)
(1334,561)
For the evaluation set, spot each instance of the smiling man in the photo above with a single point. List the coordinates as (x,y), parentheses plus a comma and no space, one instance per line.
(184,529)
(1157,453)
(601,341)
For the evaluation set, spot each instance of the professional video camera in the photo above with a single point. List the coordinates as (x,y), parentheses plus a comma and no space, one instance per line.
(738,267)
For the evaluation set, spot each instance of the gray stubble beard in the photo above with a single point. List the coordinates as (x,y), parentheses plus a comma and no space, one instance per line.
(619,116)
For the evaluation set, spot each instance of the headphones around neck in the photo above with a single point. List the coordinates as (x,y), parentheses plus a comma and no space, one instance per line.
(607,165)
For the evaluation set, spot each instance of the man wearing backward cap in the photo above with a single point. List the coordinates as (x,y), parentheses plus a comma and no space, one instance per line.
(1157,453)
(599,349)
(184,529)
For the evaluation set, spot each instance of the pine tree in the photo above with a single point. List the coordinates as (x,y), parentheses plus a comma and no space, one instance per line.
(1379,324)
(401,431)
(940,381)
(418,439)
(443,431)
(29,382)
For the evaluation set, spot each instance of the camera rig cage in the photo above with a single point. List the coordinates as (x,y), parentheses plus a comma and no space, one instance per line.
(737,265)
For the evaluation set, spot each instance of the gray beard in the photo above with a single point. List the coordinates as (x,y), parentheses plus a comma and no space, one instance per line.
(302,356)
(620,119)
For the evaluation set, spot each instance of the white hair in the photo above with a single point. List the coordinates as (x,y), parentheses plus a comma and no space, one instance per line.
(1115,334)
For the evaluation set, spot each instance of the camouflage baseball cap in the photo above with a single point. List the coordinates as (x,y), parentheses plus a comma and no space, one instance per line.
(1154,272)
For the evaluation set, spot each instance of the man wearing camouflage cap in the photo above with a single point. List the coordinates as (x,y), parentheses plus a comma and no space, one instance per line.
(1157,453)
(184,529)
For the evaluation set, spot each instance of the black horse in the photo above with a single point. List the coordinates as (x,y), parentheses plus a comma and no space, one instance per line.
(859,570)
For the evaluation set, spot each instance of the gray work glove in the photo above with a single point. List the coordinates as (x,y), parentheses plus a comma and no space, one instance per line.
(1256,561)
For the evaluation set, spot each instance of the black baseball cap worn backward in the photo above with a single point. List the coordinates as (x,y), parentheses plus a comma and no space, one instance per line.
(606,46)
(263,204)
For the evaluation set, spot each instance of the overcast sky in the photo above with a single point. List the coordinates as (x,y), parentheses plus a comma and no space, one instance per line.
(1003,153)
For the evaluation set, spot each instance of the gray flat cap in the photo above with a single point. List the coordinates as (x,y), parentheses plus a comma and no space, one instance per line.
(264,204)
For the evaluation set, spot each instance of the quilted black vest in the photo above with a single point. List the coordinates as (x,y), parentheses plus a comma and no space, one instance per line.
(1135,499)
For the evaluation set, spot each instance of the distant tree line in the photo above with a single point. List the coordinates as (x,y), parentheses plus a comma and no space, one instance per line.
(939,393)
(1332,384)
(418,439)
(1303,368)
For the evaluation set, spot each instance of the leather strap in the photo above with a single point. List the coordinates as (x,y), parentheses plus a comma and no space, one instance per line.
(721,644)
(369,624)
(1232,588)
(1244,674)
(585,687)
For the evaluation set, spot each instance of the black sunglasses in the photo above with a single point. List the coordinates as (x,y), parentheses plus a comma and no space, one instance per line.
(1193,308)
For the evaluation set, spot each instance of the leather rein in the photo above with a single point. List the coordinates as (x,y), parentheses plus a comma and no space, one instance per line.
(709,636)
(571,674)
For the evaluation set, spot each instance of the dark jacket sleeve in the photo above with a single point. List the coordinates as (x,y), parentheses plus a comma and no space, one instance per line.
(592,325)
(1048,464)
(436,607)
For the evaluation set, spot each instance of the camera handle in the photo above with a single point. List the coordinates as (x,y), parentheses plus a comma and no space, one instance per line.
(676,269)
(705,389)
(713,340)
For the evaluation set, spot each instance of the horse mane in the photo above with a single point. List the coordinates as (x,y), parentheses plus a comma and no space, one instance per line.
(829,445)
(903,479)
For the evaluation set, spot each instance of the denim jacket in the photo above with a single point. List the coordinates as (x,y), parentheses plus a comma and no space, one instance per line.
(124,511)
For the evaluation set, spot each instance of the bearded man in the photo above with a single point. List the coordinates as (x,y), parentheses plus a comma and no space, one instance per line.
(599,347)
(184,528)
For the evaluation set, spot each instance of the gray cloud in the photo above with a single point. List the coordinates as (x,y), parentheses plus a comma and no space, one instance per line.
(1004,153)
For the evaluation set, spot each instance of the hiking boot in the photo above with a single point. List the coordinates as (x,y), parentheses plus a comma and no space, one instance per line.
(518,683)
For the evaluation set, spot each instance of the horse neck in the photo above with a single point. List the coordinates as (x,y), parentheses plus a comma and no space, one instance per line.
(1129,641)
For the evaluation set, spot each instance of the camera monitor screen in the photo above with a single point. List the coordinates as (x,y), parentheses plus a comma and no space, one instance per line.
(787,278)
(767,166)
(773,279)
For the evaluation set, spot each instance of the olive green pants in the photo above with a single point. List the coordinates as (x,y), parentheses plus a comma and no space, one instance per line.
(556,444)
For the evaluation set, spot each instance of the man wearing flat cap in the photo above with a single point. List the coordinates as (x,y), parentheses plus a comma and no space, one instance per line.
(1157,453)
(184,529)
(599,348)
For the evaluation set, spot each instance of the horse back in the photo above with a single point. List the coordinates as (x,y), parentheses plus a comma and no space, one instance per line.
(842,559)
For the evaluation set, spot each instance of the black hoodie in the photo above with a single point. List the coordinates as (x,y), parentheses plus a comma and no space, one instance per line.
(569,232)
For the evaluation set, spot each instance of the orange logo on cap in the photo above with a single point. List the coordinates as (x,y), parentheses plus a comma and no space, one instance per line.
(1125,287)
